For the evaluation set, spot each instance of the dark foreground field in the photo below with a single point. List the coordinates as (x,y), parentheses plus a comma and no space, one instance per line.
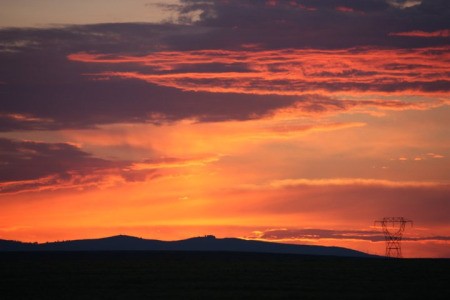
(196,275)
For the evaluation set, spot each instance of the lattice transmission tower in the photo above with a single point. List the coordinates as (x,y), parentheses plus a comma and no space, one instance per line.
(393,228)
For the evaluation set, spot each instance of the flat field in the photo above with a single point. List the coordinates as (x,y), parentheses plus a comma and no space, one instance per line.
(217,275)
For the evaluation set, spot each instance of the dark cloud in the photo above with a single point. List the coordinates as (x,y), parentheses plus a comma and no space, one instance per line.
(316,234)
(279,234)
(317,23)
(85,103)
(30,165)
(26,160)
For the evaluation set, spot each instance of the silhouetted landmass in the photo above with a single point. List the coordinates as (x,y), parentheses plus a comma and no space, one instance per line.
(207,243)
(216,275)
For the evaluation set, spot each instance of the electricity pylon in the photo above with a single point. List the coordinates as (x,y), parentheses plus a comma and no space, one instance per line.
(393,228)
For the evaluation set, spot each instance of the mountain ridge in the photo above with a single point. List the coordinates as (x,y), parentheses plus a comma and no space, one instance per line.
(206,243)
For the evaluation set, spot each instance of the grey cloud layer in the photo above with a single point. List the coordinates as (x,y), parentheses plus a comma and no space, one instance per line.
(313,234)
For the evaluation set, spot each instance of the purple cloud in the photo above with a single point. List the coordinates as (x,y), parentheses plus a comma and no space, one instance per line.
(317,234)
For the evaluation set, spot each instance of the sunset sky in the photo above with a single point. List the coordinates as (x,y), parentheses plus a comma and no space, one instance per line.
(297,121)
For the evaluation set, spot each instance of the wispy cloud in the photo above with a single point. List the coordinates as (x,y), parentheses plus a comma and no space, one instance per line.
(309,234)
(289,71)
(170,162)
(444,33)
(404,3)
(352,182)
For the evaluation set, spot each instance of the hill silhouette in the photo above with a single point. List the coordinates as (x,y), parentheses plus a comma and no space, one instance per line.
(206,243)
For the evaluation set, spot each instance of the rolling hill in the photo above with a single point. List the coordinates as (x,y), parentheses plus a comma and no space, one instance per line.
(206,243)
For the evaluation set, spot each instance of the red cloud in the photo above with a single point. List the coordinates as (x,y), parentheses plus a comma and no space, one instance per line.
(289,71)
(423,34)
(345,9)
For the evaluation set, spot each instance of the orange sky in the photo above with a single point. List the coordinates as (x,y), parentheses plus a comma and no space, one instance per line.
(172,137)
